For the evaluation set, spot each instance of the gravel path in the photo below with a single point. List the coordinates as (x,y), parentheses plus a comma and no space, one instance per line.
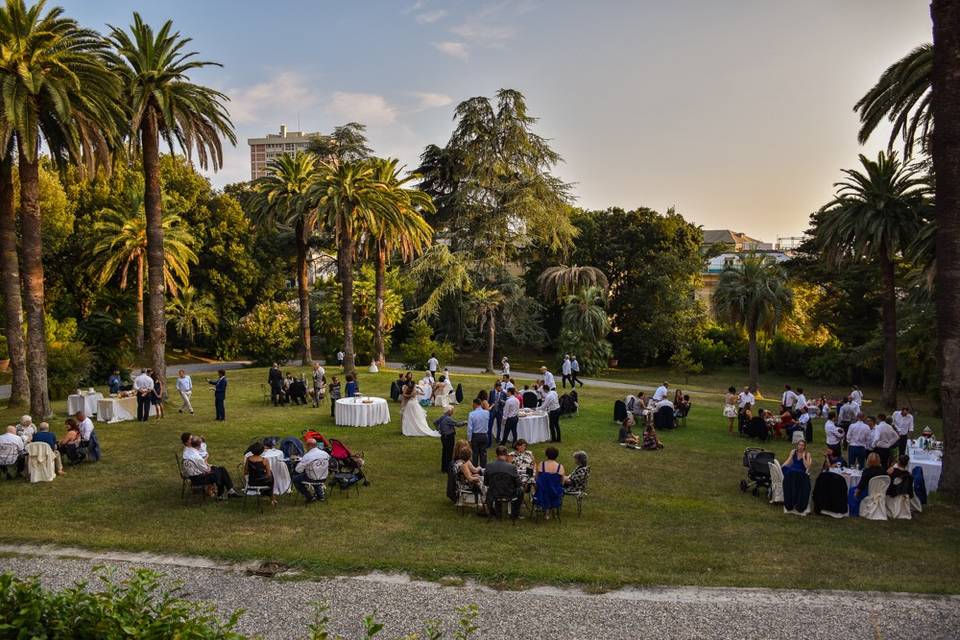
(281,608)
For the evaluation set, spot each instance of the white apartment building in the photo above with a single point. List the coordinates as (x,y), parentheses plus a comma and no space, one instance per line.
(263,150)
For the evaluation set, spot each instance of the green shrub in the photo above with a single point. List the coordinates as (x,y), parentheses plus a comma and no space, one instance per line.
(592,355)
(269,332)
(69,361)
(419,345)
(709,353)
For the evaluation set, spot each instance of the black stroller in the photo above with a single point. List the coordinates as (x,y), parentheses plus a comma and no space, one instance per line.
(757,462)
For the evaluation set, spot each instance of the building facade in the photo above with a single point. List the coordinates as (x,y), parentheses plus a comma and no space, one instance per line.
(735,245)
(263,150)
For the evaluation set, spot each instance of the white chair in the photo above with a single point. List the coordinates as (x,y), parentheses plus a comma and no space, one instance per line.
(898,507)
(915,504)
(776,483)
(797,436)
(874,506)
(40,462)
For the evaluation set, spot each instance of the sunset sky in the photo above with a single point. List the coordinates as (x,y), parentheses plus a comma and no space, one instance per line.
(738,113)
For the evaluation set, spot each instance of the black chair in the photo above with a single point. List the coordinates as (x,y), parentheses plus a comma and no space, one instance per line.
(756,428)
(9,457)
(503,489)
(619,411)
(663,418)
(187,482)
(830,494)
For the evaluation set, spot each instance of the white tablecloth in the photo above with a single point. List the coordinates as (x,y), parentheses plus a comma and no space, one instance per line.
(86,402)
(281,475)
(353,413)
(119,409)
(931,472)
(852,476)
(534,428)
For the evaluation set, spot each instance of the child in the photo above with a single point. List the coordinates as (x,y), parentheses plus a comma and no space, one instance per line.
(626,435)
(334,394)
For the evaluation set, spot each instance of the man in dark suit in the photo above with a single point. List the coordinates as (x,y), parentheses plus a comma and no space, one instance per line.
(496,398)
(220,394)
(275,378)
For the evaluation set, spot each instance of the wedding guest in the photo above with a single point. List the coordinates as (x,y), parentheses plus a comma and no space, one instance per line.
(319,384)
(799,459)
(566,371)
(478,424)
(70,443)
(513,490)
(834,433)
(511,415)
(548,380)
(524,461)
(185,389)
(788,399)
(730,408)
(220,395)
(314,466)
(651,441)
(661,392)
(143,386)
(10,438)
(447,427)
(156,399)
(626,435)
(551,404)
(903,423)
(885,437)
(576,482)
(196,467)
(275,380)
(352,387)
(114,382)
(575,372)
(26,428)
(45,435)
(334,394)
(258,473)
(859,440)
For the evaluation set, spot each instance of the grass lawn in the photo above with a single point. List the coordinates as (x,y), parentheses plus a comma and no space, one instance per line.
(672,517)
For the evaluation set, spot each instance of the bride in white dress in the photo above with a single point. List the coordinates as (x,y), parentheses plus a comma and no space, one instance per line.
(413,419)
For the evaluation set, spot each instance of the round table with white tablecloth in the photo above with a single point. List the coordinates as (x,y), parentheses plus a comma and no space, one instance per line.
(852,476)
(534,427)
(86,402)
(361,412)
(931,467)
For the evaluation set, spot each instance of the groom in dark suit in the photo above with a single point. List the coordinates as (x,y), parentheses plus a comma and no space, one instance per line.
(275,378)
(220,394)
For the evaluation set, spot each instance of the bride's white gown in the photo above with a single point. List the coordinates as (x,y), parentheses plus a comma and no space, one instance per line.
(413,419)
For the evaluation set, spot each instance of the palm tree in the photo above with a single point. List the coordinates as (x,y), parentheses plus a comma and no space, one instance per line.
(902,96)
(876,214)
(192,313)
(558,281)
(753,294)
(122,240)
(946,165)
(349,200)
(584,312)
(280,199)
(484,304)
(405,232)
(160,101)
(12,302)
(58,90)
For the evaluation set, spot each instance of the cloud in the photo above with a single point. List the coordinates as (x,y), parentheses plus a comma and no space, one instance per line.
(368,108)
(432,100)
(453,49)
(259,101)
(429,17)
(485,32)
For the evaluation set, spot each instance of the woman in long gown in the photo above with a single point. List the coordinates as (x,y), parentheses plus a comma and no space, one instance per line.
(413,418)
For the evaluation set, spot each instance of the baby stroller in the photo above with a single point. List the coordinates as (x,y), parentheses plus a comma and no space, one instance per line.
(346,467)
(757,462)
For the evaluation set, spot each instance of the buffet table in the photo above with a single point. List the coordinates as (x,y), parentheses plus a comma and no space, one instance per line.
(361,412)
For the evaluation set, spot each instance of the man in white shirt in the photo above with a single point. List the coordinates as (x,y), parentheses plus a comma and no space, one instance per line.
(504,366)
(859,439)
(548,380)
(834,434)
(313,467)
(551,404)
(800,406)
(665,402)
(885,437)
(575,372)
(903,423)
(745,398)
(10,439)
(26,428)
(432,365)
(506,383)
(788,400)
(857,396)
(847,413)
(185,387)
(143,386)
(661,392)
(196,467)
(806,424)
(566,371)
(85,424)
(511,415)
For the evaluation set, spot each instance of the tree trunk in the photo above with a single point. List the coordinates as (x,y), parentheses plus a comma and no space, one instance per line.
(888,310)
(491,339)
(303,290)
(10,275)
(140,306)
(345,268)
(946,164)
(32,252)
(156,314)
(379,322)
(754,357)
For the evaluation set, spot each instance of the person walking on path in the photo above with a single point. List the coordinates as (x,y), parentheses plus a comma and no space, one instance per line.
(220,395)
(575,372)
(185,388)
(432,365)
(566,371)
(319,384)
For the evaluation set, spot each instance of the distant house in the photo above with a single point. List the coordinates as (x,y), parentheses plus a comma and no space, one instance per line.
(734,244)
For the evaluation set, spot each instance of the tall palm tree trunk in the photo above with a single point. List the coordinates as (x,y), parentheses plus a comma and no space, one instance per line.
(156,317)
(345,268)
(304,294)
(10,275)
(888,311)
(491,338)
(140,306)
(754,359)
(380,286)
(946,164)
(32,252)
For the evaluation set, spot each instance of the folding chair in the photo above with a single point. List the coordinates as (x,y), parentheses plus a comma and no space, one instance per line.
(186,482)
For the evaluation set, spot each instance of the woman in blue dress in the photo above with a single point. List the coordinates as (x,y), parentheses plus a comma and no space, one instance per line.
(799,459)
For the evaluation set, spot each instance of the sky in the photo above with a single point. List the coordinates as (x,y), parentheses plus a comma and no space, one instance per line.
(738,113)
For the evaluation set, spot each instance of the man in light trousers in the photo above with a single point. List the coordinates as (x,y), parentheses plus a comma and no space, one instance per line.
(185,387)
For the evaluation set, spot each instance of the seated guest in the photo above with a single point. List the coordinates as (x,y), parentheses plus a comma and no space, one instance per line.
(297,391)
(26,428)
(185,439)
(524,462)
(858,493)
(469,477)
(88,437)
(626,435)
(769,419)
(44,435)
(831,459)
(665,402)
(747,413)
(200,472)
(651,442)
(901,480)
(502,480)
(270,448)
(85,424)
(314,466)
(11,439)
(69,445)
(549,467)
(442,391)
(114,382)
(258,473)
(799,459)
(787,423)
(395,388)
(352,387)
(576,482)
